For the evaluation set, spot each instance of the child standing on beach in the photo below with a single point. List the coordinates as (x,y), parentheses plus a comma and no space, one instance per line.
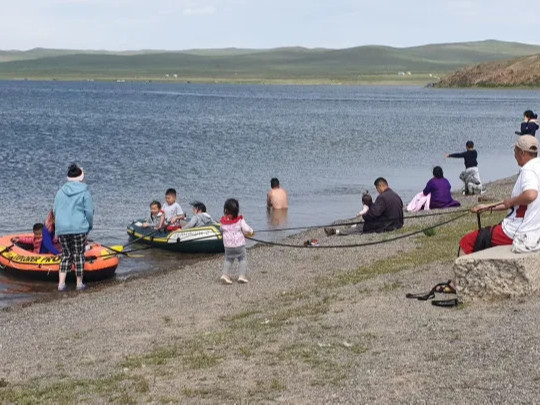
(234,227)
(470,176)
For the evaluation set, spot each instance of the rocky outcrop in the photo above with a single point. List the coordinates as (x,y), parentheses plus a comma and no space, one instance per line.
(520,72)
(497,272)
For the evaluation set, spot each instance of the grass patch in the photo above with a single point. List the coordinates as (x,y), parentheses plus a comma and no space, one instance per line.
(207,392)
(117,389)
(330,362)
(167,320)
(168,400)
(276,385)
(430,232)
(240,316)
(391,287)
(195,353)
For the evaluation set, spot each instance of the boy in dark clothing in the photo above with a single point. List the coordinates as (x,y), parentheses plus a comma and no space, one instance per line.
(469,155)
(470,176)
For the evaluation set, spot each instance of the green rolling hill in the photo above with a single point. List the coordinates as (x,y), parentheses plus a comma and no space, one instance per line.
(231,64)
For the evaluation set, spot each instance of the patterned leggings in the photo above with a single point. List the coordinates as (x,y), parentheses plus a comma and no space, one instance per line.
(72,253)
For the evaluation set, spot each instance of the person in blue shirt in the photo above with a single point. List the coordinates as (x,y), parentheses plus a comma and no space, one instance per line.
(74,215)
(471,175)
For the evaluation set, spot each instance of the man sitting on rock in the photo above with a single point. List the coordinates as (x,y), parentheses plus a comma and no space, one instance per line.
(385,214)
(523,205)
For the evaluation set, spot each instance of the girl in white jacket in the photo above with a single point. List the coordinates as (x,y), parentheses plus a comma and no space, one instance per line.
(233,228)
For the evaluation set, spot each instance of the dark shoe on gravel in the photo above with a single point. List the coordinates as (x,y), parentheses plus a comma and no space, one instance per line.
(329,231)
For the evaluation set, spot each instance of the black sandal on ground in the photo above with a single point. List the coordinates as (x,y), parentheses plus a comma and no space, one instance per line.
(421,296)
(444,288)
(454,302)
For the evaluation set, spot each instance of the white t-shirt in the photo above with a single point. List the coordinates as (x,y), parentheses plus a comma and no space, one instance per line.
(522,219)
(172,210)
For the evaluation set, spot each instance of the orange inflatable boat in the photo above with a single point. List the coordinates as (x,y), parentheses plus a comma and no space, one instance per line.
(19,260)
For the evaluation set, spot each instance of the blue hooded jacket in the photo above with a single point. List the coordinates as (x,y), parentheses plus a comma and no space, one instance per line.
(73,209)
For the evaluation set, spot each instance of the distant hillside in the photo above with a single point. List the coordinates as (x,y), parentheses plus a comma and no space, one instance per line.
(234,64)
(524,71)
(38,53)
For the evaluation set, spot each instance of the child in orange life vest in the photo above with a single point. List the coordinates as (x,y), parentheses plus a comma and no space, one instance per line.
(35,240)
(233,228)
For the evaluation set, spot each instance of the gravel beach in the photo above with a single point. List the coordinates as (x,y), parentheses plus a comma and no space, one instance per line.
(312,326)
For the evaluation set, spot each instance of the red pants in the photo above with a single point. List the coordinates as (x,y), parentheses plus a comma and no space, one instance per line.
(498,238)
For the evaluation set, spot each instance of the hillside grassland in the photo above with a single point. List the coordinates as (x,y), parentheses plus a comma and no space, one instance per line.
(365,64)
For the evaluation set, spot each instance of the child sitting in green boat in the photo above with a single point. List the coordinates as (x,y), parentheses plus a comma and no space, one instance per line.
(156,218)
(200,216)
(172,210)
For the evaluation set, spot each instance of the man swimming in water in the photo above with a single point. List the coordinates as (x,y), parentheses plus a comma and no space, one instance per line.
(277,197)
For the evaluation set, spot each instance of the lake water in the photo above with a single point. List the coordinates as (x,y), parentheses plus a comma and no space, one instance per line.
(325,143)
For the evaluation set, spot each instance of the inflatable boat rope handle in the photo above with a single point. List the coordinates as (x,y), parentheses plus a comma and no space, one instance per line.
(6,249)
(145,236)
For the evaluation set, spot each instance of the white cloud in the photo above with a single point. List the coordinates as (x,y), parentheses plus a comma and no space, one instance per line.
(208,10)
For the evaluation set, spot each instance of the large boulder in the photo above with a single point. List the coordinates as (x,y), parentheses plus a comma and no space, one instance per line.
(497,272)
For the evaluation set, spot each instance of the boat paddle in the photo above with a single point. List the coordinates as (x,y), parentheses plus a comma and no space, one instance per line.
(119,250)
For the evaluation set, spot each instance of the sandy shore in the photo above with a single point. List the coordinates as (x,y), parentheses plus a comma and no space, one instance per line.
(312,326)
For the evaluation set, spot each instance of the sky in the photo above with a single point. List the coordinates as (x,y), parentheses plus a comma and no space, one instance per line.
(188,24)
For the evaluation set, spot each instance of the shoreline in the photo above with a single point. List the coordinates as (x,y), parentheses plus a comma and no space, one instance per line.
(239,82)
(327,324)
(294,236)
(377,81)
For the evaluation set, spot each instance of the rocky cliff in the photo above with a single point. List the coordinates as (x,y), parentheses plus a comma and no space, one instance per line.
(520,72)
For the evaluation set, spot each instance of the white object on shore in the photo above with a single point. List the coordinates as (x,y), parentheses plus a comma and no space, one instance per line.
(419,202)
(525,243)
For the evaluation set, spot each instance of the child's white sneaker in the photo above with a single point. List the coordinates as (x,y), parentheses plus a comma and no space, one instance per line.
(225,279)
(242,280)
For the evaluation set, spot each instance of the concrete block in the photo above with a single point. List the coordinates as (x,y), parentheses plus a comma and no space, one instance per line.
(497,272)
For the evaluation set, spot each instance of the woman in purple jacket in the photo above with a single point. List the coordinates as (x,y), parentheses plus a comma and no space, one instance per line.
(439,187)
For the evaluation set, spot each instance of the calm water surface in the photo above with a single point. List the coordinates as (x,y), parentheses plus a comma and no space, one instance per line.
(325,143)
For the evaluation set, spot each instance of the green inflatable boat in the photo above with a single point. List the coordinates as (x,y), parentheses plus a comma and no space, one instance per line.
(205,239)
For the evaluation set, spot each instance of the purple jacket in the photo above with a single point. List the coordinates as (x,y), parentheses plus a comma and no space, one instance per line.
(440,193)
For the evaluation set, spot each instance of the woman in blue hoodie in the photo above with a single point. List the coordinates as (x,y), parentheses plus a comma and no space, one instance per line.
(74,216)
